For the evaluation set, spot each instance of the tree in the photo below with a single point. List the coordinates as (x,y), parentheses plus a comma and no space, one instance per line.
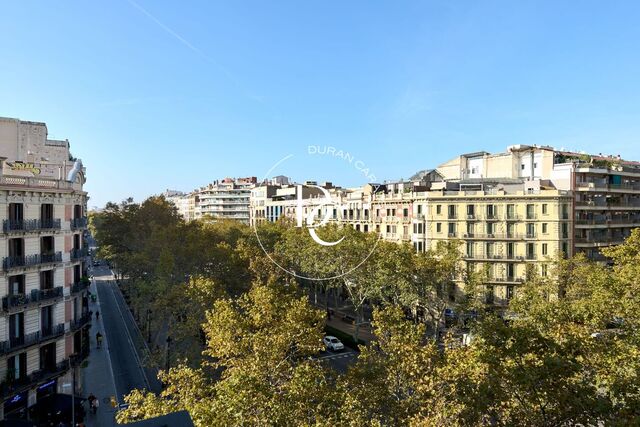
(257,370)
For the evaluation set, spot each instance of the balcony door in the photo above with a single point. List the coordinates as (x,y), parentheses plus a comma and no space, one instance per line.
(46,320)
(46,213)
(17,367)
(46,280)
(16,248)
(16,285)
(48,357)
(16,212)
(16,328)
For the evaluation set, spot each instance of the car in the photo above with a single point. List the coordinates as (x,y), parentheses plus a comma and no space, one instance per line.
(332,343)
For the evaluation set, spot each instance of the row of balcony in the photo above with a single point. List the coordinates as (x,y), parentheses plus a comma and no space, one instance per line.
(30,260)
(36,296)
(507,257)
(26,225)
(33,338)
(11,386)
(604,185)
(26,340)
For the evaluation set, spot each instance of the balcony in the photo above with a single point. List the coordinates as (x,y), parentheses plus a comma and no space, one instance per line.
(15,386)
(530,236)
(512,217)
(452,235)
(29,225)
(17,343)
(531,215)
(491,217)
(77,223)
(80,322)
(12,262)
(37,295)
(80,286)
(452,216)
(79,253)
(471,217)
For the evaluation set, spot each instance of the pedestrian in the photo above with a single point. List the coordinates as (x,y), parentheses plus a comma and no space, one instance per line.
(91,398)
(97,315)
(99,339)
(95,405)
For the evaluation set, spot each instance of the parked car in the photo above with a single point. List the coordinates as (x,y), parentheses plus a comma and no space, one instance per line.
(332,343)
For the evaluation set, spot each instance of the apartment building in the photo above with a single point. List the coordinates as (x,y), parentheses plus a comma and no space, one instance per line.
(44,318)
(511,212)
(185,203)
(225,199)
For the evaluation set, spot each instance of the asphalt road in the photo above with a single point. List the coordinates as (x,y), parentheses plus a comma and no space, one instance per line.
(127,370)
(339,360)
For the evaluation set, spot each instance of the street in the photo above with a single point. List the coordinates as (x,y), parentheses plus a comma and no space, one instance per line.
(339,360)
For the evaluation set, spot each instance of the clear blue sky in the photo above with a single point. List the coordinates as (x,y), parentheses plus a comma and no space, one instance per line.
(161,94)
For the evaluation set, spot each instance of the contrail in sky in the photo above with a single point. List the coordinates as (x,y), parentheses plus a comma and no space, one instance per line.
(196,50)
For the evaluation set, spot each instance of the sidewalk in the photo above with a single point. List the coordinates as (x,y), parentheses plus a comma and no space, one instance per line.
(97,377)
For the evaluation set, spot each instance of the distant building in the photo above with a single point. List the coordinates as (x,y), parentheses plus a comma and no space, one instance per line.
(44,318)
(225,199)
(511,212)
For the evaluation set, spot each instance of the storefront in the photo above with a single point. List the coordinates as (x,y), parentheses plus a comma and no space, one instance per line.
(15,408)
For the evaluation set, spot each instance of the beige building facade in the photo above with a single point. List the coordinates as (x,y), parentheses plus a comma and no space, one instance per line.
(44,318)
(511,212)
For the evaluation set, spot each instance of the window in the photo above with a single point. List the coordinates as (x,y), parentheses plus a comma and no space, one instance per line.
(46,279)
(531,212)
(510,230)
(531,251)
(545,248)
(544,228)
(491,211)
(16,285)
(419,209)
(438,209)
(490,227)
(544,209)
(511,271)
(365,228)
(452,229)
(531,230)
(488,250)
(470,211)
(510,251)
(451,209)
(511,211)
(522,166)
(509,291)
(46,212)
(438,227)
(388,229)
(405,212)
(469,249)
(543,269)
(565,230)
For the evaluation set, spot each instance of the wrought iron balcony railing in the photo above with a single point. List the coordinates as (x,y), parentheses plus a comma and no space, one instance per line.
(77,223)
(13,226)
(79,253)
(37,295)
(30,260)
(26,340)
